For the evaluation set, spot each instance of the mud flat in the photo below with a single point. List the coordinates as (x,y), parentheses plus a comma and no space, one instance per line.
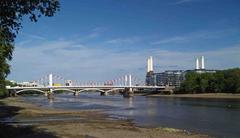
(21,119)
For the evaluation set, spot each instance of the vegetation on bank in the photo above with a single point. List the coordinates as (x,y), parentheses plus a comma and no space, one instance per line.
(3,92)
(223,81)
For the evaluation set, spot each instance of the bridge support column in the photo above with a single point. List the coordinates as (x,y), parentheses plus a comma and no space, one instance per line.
(11,93)
(46,94)
(14,94)
(50,95)
(76,93)
(104,93)
(128,92)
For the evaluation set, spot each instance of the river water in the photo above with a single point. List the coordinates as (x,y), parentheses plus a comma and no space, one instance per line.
(214,117)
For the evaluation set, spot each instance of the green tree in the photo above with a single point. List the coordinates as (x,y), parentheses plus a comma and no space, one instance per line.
(227,81)
(11,16)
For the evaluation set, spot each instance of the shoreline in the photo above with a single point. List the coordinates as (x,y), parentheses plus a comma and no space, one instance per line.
(201,96)
(91,123)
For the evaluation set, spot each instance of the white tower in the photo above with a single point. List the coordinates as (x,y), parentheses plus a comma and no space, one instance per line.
(130,80)
(150,64)
(50,79)
(203,63)
(197,64)
(126,79)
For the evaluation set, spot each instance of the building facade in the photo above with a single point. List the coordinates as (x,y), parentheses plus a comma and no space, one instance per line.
(170,78)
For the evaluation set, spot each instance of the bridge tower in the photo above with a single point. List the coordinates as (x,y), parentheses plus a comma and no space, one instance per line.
(130,80)
(125,80)
(50,78)
(129,91)
(50,83)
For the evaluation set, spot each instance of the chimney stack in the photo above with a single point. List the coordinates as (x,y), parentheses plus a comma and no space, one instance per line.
(203,63)
(148,67)
(197,64)
(150,64)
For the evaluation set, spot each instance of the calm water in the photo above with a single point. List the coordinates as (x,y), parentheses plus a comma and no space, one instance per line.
(220,118)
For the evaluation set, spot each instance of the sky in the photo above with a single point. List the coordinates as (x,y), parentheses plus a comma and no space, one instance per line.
(103,39)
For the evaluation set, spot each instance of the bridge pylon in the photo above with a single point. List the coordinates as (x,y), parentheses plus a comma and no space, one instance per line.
(50,79)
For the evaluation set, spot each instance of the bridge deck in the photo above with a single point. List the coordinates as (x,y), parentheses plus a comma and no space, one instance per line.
(86,87)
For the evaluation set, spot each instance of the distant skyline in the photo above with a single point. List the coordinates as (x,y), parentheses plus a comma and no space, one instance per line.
(103,39)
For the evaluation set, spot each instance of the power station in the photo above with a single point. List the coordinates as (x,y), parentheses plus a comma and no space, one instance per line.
(200,66)
(150,74)
(172,77)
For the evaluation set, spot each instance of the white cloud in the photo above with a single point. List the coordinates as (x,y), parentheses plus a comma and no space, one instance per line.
(186,1)
(121,41)
(33,36)
(170,40)
(201,35)
(76,61)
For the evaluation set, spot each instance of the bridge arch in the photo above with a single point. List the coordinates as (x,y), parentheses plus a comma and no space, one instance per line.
(91,89)
(35,90)
(69,90)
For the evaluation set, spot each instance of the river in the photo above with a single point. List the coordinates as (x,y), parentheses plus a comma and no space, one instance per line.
(214,117)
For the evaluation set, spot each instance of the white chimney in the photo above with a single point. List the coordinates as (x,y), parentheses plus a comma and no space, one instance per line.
(197,64)
(203,63)
(149,64)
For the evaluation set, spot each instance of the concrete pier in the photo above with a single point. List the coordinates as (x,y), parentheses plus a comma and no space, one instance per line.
(76,93)
(50,95)
(46,94)
(128,92)
(103,93)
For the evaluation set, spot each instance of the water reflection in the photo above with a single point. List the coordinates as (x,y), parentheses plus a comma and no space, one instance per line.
(130,106)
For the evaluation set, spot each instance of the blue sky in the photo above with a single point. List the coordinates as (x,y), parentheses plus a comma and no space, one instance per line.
(103,39)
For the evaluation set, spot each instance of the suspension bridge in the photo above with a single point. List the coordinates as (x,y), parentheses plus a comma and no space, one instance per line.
(49,84)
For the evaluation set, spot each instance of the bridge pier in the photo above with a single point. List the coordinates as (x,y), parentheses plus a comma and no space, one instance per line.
(50,95)
(46,94)
(11,93)
(104,93)
(128,92)
(76,93)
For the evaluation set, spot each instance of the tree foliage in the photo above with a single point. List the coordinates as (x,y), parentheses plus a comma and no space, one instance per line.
(11,16)
(227,81)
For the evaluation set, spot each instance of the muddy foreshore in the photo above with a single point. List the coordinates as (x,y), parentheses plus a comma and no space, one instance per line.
(81,124)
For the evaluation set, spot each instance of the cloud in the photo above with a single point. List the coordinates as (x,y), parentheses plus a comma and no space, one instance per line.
(68,58)
(121,41)
(201,35)
(33,36)
(187,1)
(74,60)
(170,40)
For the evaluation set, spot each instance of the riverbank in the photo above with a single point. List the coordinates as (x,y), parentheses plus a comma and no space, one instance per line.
(46,122)
(205,95)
